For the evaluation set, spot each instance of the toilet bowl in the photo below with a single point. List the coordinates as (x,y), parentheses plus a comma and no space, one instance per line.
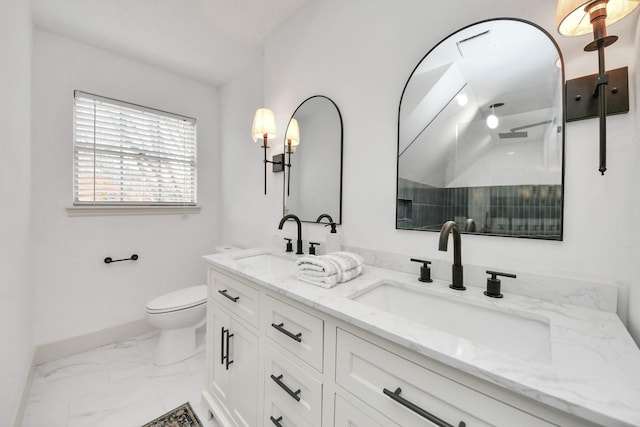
(178,315)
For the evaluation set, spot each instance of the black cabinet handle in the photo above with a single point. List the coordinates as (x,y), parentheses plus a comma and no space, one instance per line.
(291,393)
(225,294)
(227,360)
(276,421)
(295,337)
(395,395)
(222,346)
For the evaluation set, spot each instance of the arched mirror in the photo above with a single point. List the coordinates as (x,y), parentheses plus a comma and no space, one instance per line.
(313,161)
(481,134)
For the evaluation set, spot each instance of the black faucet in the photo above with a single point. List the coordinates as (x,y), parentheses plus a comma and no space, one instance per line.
(456,269)
(325,216)
(297,220)
(331,223)
(470,226)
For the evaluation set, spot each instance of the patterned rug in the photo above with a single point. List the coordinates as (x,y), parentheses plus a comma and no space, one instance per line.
(182,416)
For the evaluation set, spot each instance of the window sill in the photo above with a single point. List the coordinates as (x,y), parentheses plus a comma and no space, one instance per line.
(131,210)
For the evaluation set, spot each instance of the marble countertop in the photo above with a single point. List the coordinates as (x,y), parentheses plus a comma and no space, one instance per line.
(593,371)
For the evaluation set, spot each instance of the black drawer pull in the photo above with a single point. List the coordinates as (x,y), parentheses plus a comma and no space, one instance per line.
(291,393)
(395,395)
(225,294)
(296,337)
(276,421)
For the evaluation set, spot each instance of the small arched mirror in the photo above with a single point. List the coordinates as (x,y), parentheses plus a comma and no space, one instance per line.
(313,161)
(481,134)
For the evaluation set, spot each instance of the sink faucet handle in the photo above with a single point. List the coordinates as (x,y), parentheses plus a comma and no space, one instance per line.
(312,248)
(289,245)
(425,271)
(493,283)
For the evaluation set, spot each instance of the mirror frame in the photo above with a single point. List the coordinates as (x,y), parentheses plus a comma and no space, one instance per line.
(284,184)
(564,121)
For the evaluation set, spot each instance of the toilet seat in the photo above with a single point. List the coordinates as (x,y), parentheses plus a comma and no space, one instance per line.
(181,299)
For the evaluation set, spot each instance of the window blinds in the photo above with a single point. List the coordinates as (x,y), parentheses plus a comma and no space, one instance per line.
(125,154)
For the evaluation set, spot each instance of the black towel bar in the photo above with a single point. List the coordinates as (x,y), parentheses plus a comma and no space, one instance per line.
(109,260)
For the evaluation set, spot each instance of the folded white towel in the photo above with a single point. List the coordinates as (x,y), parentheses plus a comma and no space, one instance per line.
(331,269)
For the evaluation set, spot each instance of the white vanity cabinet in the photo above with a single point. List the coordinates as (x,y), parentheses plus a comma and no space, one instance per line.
(233,351)
(276,362)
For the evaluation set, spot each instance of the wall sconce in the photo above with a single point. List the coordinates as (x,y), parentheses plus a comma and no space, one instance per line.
(293,140)
(578,17)
(264,129)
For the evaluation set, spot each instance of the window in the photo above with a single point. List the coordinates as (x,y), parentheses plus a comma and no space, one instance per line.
(125,154)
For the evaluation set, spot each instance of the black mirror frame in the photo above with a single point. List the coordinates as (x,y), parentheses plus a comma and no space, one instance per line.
(564,121)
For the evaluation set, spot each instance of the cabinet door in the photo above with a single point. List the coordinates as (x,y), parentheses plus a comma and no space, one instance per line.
(219,322)
(234,368)
(243,369)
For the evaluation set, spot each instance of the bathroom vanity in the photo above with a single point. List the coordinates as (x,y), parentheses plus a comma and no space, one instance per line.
(387,350)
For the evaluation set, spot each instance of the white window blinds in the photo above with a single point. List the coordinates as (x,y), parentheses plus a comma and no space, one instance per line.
(125,154)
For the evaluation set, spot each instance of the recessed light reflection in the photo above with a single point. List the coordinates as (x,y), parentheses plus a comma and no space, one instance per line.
(462,99)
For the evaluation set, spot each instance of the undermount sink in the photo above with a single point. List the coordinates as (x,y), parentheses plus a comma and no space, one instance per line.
(267,263)
(522,335)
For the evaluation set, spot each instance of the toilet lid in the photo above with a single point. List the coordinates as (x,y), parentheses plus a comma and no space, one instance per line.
(178,300)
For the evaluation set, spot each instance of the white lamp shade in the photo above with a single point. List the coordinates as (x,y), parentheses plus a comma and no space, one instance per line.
(293,133)
(572,18)
(263,123)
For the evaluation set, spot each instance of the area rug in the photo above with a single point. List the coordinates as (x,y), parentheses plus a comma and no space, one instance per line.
(182,416)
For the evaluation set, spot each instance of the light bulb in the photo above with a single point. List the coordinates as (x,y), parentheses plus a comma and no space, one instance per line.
(492,121)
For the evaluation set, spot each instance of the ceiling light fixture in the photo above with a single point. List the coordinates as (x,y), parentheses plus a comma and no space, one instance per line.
(492,119)
(578,17)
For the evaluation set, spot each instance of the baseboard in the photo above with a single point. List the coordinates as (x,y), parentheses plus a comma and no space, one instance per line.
(26,389)
(59,349)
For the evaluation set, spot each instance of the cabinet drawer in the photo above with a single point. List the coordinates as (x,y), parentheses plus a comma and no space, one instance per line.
(347,415)
(367,370)
(290,383)
(241,299)
(297,331)
(279,413)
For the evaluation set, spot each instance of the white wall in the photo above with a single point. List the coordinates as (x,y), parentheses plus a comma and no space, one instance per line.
(16,289)
(360,53)
(634,297)
(76,292)
(248,216)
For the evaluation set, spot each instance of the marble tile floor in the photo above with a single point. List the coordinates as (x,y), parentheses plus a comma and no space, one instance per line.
(116,385)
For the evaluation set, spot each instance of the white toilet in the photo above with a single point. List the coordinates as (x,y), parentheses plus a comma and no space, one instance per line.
(178,315)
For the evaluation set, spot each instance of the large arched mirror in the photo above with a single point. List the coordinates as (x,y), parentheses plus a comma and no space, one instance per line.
(313,161)
(481,134)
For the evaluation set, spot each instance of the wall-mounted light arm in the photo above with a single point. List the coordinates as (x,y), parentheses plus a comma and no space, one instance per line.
(578,17)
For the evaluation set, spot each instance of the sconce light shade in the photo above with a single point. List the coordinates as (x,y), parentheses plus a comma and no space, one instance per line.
(263,123)
(293,133)
(572,16)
